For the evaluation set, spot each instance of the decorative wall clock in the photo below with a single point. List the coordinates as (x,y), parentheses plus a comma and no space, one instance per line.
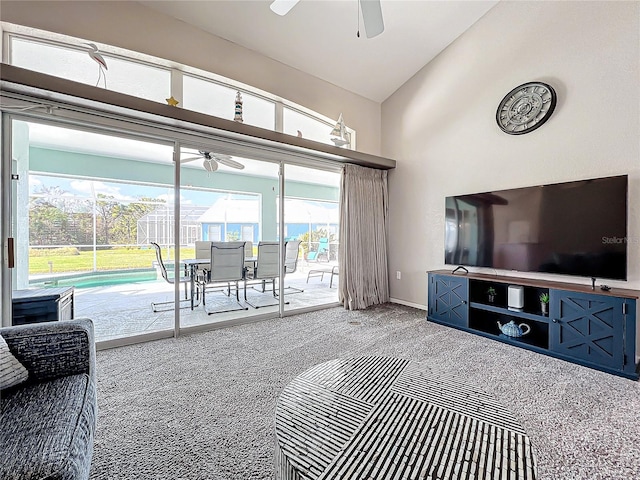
(526,108)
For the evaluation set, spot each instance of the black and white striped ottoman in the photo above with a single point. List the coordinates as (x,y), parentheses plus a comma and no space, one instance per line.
(387,418)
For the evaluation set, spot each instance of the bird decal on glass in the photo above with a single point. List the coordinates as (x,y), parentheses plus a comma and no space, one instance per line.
(99,59)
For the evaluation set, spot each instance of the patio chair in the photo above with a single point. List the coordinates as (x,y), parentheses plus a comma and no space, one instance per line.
(226,267)
(203,252)
(335,272)
(321,252)
(291,252)
(266,269)
(320,272)
(203,249)
(184,279)
(248,254)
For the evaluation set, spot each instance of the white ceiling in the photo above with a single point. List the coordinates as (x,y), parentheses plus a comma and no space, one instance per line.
(319,36)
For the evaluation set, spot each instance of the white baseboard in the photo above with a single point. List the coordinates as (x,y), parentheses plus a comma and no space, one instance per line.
(408,304)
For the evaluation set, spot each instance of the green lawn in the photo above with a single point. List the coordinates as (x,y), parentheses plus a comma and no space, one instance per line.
(112,259)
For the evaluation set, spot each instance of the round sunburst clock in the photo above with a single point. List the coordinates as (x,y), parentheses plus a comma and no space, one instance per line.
(526,108)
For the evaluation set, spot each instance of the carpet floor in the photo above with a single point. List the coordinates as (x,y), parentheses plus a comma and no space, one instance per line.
(202,406)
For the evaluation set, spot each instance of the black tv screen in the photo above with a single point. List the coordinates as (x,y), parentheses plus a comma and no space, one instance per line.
(572,228)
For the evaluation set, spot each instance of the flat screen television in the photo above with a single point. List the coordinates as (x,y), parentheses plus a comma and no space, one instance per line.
(572,228)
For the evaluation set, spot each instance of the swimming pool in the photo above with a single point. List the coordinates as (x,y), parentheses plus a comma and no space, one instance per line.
(96,279)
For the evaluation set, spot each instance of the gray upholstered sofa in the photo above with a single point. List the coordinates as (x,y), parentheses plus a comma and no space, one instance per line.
(47,423)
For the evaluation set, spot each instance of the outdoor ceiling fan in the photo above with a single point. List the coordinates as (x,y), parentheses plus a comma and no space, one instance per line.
(211,160)
(371,14)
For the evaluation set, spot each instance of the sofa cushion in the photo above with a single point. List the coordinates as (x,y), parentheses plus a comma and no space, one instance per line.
(12,372)
(45,429)
(53,349)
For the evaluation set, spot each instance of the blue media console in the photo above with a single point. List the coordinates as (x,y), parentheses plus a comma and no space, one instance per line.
(594,328)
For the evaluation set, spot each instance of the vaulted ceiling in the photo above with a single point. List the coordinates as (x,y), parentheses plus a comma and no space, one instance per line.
(320,37)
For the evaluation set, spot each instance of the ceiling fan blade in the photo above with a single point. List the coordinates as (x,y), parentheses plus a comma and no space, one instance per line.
(282,7)
(229,162)
(372,17)
(185,160)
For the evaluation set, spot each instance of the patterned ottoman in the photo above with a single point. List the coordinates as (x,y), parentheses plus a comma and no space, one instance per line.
(389,418)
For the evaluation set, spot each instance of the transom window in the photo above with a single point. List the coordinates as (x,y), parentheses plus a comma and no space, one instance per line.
(124,76)
(297,123)
(211,98)
(152,79)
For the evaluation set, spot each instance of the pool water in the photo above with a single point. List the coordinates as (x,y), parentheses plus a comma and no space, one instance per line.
(97,279)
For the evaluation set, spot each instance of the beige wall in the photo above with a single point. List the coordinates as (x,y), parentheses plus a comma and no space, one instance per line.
(135,27)
(440,126)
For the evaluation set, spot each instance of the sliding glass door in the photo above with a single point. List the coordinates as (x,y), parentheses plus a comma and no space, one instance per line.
(311,221)
(227,200)
(118,225)
(79,202)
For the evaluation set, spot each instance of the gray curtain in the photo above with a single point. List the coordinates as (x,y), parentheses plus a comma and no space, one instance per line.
(364,205)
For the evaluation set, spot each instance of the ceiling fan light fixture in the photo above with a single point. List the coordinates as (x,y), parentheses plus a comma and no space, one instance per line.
(210,165)
(211,161)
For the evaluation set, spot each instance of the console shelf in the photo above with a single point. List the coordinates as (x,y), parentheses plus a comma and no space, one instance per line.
(593,328)
(538,317)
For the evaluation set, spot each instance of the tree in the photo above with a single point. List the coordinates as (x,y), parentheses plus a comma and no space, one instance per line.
(106,216)
(48,225)
(53,196)
(55,218)
(233,236)
(49,217)
(316,235)
(125,229)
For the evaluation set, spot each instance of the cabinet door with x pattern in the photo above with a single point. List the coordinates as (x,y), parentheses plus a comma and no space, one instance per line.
(448,299)
(588,327)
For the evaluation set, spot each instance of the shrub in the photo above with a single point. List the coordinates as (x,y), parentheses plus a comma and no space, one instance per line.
(54,252)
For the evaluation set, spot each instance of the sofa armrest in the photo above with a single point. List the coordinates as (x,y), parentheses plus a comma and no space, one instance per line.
(53,349)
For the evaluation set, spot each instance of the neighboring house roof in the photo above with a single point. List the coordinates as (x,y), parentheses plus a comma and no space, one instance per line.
(232,211)
(188,213)
(248,211)
(303,211)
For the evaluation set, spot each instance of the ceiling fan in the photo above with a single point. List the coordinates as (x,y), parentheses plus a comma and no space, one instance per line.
(371,14)
(211,160)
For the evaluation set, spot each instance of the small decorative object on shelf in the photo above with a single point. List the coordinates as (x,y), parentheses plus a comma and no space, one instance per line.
(491,294)
(544,303)
(512,330)
(339,134)
(172,101)
(238,112)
